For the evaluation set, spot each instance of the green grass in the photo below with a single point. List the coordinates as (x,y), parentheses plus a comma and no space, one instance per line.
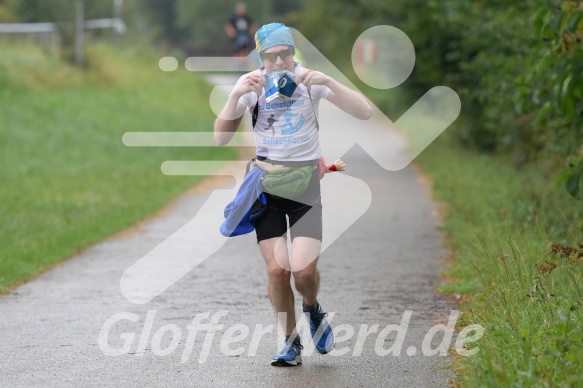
(500,223)
(67,179)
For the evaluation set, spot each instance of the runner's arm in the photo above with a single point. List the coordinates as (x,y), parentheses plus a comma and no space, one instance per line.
(230,117)
(348,100)
(344,98)
(228,121)
(230,30)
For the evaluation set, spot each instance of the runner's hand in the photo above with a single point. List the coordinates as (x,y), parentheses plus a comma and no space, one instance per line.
(253,83)
(311,77)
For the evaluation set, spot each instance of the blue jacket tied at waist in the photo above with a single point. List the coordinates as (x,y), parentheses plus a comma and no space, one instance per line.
(249,203)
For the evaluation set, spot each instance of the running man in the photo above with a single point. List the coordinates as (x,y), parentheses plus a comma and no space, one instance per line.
(240,28)
(284,150)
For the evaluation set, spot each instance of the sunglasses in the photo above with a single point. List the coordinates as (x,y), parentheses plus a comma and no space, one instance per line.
(272,57)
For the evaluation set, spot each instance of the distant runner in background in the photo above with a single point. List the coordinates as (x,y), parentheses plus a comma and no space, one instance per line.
(240,28)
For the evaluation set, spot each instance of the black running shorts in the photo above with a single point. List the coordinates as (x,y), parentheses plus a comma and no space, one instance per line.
(304,213)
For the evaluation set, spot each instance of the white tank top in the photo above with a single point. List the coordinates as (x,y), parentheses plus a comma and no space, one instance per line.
(286,130)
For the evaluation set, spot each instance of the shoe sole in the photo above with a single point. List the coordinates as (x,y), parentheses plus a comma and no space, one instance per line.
(325,351)
(282,362)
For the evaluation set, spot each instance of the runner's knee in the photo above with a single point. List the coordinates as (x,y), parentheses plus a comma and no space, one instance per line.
(306,277)
(278,274)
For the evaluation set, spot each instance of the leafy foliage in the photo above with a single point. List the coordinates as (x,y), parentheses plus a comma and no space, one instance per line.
(559,100)
(516,65)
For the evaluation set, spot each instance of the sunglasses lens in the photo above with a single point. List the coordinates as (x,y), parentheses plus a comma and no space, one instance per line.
(272,57)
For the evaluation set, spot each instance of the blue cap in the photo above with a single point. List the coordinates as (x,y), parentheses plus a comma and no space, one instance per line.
(270,35)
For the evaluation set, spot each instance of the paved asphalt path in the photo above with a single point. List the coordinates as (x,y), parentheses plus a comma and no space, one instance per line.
(385,263)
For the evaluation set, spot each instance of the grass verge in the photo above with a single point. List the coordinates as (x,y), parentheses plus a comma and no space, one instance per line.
(526,291)
(67,179)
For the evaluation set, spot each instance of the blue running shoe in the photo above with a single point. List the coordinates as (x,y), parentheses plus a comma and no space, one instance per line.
(289,355)
(321,330)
